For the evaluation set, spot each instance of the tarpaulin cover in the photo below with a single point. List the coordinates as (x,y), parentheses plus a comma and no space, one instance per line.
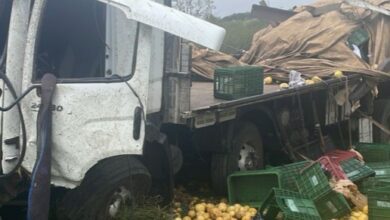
(315,45)
(204,62)
(318,45)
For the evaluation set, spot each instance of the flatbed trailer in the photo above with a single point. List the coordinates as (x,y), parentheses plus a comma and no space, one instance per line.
(203,100)
(292,124)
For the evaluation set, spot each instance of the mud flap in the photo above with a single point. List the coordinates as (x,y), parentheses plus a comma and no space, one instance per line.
(39,194)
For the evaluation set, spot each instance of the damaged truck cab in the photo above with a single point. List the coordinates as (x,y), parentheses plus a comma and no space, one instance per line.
(102,61)
(108,58)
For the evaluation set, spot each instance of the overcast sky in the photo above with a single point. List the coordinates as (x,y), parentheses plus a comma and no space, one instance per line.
(228,7)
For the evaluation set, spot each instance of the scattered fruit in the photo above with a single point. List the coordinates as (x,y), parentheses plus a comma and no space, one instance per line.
(283,86)
(338,74)
(268,80)
(200,207)
(309,82)
(316,79)
(357,214)
(221,211)
(199,217)
(192,213)
(187,207)
(365,210)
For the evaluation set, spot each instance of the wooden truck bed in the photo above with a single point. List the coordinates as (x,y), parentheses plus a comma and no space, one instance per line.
(203,101)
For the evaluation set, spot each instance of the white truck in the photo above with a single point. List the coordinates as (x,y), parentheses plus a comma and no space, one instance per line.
(126,116)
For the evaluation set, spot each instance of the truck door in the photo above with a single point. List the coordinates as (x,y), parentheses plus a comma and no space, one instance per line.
(101,60)
(14,25)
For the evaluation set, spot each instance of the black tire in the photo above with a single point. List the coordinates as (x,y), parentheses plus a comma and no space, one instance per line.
(382,115)
(222,165)
(91,199)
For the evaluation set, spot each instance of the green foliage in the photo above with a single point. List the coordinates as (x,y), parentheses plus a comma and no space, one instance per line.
(240,30)
(238,16)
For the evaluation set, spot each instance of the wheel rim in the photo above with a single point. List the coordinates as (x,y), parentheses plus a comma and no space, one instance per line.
(120,197)
(247,159)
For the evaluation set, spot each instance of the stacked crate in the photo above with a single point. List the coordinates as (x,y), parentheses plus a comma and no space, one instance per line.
(377,188)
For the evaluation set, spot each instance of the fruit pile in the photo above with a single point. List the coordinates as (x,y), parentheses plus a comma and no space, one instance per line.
(357,214)
(220,211)
(187,207)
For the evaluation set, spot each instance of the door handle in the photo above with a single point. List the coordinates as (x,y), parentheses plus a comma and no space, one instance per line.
(14,140)
(137,123)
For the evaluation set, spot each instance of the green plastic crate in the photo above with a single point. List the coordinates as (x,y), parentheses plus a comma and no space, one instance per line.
(356,170)
(295,206)
(289,173)
(269,209)
(381,169)
(379,203)
(312,182)
(372,183)
(252,187)
(374,152)
(238,82)
(332,205)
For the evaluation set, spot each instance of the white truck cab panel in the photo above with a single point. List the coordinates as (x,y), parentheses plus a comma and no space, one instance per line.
(172,21)
(14,68)
(91,120)
(95,103)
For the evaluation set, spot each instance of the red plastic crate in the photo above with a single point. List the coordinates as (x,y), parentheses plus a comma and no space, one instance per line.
(340,155)
(332,167)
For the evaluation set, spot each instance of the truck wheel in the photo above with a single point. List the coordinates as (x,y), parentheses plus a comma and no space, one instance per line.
(382,115)
(106,187)
(246,154)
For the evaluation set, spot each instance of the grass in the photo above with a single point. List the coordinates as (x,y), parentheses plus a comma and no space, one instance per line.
(148,209)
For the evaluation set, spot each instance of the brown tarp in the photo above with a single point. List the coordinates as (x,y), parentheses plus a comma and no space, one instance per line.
(311,44)
(204,62)
(318,45)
